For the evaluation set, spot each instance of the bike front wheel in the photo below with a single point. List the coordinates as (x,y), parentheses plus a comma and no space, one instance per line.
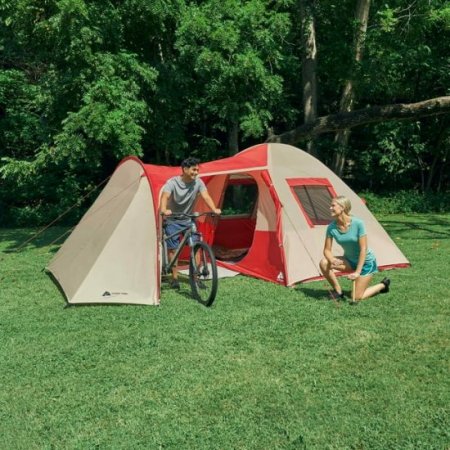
(203,274)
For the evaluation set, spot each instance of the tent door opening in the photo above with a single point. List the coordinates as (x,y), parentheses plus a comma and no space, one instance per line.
(236,227)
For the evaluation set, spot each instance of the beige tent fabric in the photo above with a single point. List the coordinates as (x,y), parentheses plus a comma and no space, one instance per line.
(303,245)
(111,256)
(266,216)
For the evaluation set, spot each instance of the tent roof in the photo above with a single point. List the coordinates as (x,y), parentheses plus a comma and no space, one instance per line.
(251,159)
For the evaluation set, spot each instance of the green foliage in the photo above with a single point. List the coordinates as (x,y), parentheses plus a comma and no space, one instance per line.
(404,59)
(402,155)
(83,84)
(68,128)
(234,49)
(110,115)
(392,154)
(406,202)
(21,101)
(267,367)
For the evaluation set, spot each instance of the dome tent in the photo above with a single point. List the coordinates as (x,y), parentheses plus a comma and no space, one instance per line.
(112,256)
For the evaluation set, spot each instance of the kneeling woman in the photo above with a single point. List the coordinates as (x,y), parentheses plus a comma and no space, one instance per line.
(350,233)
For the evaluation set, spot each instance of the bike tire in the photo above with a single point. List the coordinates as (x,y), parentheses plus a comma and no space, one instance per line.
(203,277)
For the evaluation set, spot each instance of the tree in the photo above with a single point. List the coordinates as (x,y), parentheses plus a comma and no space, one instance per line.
(348,94)
(233,51)
(402,58)
(95,81)
(309,65)
(89,106)
(374,114)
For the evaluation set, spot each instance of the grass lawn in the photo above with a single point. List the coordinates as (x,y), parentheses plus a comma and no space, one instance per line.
(267,367)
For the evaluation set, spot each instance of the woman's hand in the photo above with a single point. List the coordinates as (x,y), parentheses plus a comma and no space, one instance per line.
(353,276)
(335,263)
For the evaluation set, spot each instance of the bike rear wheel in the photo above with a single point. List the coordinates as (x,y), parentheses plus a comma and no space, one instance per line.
(203,274)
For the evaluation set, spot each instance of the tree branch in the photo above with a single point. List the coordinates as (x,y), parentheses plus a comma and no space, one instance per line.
(371,114)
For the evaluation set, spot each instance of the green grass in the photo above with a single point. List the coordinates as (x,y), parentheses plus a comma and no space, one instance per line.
(267,367)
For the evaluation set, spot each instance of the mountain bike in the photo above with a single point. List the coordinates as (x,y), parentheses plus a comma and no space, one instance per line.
(202,263)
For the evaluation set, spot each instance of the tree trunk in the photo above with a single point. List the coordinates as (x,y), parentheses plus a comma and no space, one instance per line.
(348,95)
(233,148)
(373,114)
(167,156)
(443,172)
(309,65)
(233,138)
(439,155)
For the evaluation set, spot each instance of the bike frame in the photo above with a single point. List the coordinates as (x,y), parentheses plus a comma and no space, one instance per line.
(188,231)
(203,277)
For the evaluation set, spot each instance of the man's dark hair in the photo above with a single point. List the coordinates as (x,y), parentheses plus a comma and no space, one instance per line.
(189,162)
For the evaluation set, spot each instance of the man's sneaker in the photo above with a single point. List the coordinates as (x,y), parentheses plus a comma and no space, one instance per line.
(338,297)
(175,284)
(386,282)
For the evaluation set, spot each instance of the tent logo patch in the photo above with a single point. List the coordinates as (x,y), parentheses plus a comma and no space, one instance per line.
(113,294)
(280,276)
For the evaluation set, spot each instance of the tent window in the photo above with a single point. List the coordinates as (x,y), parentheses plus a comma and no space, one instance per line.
(315,203)
(240,197)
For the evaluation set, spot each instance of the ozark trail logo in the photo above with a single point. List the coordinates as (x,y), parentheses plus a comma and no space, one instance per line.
(113,294)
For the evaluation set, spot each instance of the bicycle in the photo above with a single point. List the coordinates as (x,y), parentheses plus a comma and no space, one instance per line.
(202,262)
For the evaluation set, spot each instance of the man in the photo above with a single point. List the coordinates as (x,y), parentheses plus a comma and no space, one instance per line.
(178,196)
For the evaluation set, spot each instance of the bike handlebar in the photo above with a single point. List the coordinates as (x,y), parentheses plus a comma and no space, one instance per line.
(194,215)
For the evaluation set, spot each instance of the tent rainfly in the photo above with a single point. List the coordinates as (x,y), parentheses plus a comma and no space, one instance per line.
(275,200)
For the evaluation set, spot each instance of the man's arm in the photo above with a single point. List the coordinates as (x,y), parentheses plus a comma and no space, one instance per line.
(209,201)
(163,204)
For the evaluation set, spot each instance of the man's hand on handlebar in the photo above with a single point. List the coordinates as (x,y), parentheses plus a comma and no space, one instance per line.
(194,215)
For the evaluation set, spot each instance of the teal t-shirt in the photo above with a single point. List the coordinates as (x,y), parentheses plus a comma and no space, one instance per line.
(349,240)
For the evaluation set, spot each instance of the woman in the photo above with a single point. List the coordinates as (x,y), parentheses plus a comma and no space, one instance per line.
(349,232)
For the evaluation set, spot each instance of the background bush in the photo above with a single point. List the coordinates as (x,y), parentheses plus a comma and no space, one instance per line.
(407,201)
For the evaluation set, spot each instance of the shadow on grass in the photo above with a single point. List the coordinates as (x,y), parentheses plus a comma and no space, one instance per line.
(184,291)
(20,239)
(315,294)
(432,226)
(109,305)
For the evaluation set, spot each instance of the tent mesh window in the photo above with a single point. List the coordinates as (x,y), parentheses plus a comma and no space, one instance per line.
(315,201)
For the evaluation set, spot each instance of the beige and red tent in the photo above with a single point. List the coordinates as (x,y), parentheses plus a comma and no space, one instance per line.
(113,255)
